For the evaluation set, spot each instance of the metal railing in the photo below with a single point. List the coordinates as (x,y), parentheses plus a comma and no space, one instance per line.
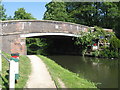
(5,57)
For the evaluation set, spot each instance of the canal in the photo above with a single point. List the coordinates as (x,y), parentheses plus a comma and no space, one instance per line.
(103,71)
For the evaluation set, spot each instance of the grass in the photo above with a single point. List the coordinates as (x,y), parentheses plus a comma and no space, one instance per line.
(70,79)
(25,69)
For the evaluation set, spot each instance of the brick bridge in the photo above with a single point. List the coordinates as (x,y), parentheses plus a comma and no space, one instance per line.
(13,33)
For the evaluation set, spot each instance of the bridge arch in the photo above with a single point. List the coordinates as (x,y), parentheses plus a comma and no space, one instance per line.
(54,44)
(48,34)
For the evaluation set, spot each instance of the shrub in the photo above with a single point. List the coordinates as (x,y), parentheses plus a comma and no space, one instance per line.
(114,43)
(108,53)
(96,53)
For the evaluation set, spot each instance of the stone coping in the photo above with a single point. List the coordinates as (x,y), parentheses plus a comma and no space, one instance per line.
(49,21)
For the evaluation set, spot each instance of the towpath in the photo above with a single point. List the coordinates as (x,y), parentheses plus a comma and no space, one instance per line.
(40,77)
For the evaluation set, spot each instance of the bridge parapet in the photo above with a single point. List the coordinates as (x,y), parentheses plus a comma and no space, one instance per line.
(40,26)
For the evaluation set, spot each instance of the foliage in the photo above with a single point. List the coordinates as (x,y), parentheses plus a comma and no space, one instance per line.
(95,53)
(2,12)
(113,50)
(10,18)
(22,14)
(107,53)
(36,46)
(70,79)
(87,38)
(56,11)
(115,43)
(82,12)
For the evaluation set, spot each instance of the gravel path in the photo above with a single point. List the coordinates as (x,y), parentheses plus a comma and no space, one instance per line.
(40,77)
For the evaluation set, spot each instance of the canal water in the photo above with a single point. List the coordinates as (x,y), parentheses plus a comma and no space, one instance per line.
(103,71)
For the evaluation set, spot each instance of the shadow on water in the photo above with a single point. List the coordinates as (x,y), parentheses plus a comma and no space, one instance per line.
(99,70)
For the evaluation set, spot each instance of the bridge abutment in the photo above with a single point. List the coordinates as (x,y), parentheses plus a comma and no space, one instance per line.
(14,44)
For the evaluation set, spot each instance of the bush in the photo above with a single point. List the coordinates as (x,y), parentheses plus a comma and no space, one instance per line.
(96,53)
(114,43)
(107,53)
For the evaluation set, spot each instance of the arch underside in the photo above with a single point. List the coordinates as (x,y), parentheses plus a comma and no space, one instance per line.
(48,34)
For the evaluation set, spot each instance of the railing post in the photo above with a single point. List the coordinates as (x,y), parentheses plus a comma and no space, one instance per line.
(12,75)
(0,53)
(0,46)
(14,70)
(0,69)
(0,60)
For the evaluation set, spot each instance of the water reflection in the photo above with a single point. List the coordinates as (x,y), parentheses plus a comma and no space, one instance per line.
(104,71)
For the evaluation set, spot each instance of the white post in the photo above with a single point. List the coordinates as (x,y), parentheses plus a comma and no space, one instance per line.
(12,75)
(0,69)
(0,60)
(16,67)
(0,54)
(0,46)
(14,70)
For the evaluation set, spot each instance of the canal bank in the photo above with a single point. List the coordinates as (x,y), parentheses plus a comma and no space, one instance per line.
(102,71)
(60,74)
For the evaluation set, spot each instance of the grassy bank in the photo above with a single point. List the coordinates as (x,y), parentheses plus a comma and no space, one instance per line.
(25,69)
(70,79)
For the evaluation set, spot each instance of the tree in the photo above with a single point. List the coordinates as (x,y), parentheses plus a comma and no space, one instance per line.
(2,12)
(81,12)
(22,14)
(56,11)
(10,18)
(117,25)
(102,14)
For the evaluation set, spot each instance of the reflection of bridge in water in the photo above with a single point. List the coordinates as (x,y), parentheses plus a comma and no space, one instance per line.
(14,32)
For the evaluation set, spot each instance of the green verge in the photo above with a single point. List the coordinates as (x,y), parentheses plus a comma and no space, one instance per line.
(25,69)
(70,79)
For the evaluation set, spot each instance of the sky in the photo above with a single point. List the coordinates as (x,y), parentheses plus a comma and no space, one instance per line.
(37,9)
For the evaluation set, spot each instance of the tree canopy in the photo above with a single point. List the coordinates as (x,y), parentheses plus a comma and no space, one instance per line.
(2,12)
(22,14)
(56,11)
(102,14)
